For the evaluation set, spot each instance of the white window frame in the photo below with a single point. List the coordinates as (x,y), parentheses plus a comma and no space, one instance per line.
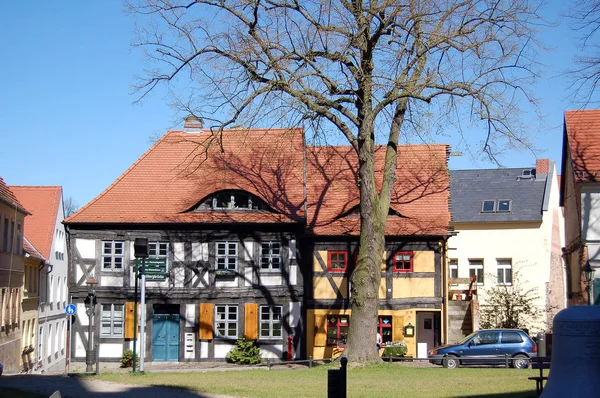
(488,211)
(228,260)
(504,269)
(269,256)
(509,206)
(267,322)
(158,249)
(114,316)
(112,253)
(476,265)
(228,315)
(453,266)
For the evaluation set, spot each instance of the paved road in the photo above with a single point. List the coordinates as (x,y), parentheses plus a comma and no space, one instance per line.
(76,387)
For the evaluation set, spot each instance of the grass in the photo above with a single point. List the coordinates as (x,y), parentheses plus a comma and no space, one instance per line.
(6,392)
(374,381)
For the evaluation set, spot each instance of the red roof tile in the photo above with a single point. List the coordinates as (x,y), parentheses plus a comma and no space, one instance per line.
(420,196)
(583,135)
(182,169)
(44,204)
(31,250)
(7,196)
(542,166)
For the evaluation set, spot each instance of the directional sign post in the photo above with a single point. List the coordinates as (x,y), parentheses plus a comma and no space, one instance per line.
(71,309)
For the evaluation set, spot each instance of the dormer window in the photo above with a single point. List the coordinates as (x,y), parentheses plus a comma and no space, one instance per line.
(231,200)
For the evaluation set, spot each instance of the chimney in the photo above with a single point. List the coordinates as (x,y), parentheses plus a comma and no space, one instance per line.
(192,124)
(542,166)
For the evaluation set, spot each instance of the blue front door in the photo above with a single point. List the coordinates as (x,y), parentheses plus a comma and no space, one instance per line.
(165,338)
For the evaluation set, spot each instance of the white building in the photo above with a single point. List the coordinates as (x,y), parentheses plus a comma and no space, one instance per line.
(509,229)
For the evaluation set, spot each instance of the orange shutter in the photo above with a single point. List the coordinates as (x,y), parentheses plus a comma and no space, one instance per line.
(320,331)
(206,321)
(130,319)
(251,321)
(398,331)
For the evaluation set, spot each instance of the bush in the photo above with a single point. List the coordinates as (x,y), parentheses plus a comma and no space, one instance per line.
(245,352)
(127,359)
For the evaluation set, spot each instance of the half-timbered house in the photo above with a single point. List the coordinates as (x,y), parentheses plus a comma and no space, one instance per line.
(223,213)
(411,289)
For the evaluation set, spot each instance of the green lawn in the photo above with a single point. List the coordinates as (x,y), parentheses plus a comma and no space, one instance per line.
(376,381)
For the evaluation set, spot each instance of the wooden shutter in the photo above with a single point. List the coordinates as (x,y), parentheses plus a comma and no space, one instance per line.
(251,321)
(398,325)
(206,321)
(130,319)
(320,330)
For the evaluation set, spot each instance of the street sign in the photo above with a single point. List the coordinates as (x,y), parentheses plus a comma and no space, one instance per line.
(71,309)
(156,268)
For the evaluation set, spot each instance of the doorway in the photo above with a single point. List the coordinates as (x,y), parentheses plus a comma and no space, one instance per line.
(428,332)
(165,333)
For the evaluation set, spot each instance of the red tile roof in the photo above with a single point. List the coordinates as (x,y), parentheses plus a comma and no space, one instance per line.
(43,201)
(31,250)
(182,169)
(583,134)
(420,196)
(8,197)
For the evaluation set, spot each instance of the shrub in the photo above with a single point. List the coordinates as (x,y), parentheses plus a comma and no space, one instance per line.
(245,352)
(127,359)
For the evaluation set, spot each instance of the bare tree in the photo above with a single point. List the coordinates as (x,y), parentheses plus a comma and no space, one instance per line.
(370,70)
(70,206)
(585,76)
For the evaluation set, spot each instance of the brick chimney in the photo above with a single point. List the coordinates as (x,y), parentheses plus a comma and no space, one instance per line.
(542,166)
(192,124)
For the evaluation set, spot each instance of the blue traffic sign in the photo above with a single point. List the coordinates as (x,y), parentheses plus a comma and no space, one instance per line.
(71,309)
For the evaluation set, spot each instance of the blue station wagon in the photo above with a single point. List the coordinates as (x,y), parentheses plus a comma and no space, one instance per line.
(487,347)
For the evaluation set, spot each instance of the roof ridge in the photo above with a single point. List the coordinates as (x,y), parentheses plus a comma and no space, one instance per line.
(144,155)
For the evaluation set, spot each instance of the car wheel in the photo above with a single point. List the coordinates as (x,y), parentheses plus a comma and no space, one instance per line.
(520,361)
(451,362)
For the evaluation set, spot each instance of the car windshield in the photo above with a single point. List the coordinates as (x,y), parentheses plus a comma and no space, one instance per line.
(463,341)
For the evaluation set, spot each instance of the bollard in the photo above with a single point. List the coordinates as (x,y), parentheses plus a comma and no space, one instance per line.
(336,381)
(309,361)
(541,344)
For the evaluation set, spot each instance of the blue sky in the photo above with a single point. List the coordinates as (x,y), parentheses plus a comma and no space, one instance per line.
(66,109)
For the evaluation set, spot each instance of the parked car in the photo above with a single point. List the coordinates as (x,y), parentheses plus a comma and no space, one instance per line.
(487,347)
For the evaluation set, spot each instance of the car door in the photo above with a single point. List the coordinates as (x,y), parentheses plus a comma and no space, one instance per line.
(511,343)
(483,348)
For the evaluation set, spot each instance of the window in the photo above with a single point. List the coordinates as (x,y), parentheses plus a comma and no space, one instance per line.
(384,328)
(487,337)
(503,206)
(476,270)
(453,263)
(236,200)
(270,322)
(5,237)
(337,261)
(12,237)
(488,206)
(337,329)
(227,256)
(403,262)
(19,246)
(112,254)
(511,337)
(226,320)
(112,320)
(158,249)
(270,256)
(504,272)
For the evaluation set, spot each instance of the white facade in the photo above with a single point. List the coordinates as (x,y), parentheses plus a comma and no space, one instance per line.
(529,251)
(53,322)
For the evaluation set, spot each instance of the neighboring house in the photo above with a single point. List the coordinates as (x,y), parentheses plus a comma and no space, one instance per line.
(580,196)
(223,227)
(508,226)
(12,217)
(411,288)
(34,264)
(45,231)
(234,246)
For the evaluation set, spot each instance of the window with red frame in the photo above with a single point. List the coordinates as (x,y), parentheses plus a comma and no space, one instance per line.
(337,329)
(337,261)
(384,328)
(403,262)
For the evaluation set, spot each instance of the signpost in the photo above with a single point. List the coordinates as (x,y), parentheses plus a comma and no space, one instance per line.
(155,268)
(70,310)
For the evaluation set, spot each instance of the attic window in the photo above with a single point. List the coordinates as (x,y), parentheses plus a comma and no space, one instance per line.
(488,206)
(503,206)
(237,200)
